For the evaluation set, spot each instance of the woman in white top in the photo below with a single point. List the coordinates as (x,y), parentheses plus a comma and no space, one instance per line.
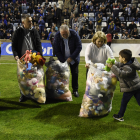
(98,51)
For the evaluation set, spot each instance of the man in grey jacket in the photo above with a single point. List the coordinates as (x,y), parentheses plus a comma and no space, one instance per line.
(129,80)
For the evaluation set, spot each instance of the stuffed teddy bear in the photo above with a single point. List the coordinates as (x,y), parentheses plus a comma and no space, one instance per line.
(33,83)
(109,61)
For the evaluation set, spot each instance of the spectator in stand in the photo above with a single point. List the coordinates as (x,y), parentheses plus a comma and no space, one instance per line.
(104,11)
(98,12)
(8,36)
(91,7)
(77,30)
(123,27)
(4,20)
(115,10)
(49,8)
(97,7)
(84,36)
(126,33)
(118,29)
(46,33)
(81,7)
(30,9)
(66,14)
(116,36)
(117,22)
(41,24)
(90,36)
(120,7)
(113,24)
(49,19)
(108,7)
(83,31)
(123,36)
(75,23)
(99,22)
(75,9)
(3,25)
(133,11)
(55,27)
(124,3)
(86,7)
(109,20)
(18,17)
(4,34)
(9,27)
(90,27)
(132,25)
(134,33)
(57,15)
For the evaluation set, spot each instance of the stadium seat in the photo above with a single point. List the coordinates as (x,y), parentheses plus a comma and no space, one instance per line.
(25,12)
(48,29)
(128,23)
(86,14)
(104,19)
(53,3)
(104,24)
(119,35)
(121,18)
(91,19)
(120,14)
(91,14)
(46,24)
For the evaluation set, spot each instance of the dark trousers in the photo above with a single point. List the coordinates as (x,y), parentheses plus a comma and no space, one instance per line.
(125,99)
(74,73)
(109,44)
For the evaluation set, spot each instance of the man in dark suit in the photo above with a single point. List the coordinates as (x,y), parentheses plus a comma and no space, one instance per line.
(67,47)
(25,38)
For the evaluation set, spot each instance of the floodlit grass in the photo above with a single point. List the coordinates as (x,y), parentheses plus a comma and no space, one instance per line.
(59,120)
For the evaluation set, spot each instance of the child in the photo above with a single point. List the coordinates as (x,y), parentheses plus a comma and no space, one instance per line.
(129,80)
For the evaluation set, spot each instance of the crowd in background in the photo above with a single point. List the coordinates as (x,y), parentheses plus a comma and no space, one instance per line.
(120,18)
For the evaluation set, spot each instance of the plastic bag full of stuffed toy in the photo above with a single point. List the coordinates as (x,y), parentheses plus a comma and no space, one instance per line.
(57,80)
(30,79)
(97,100)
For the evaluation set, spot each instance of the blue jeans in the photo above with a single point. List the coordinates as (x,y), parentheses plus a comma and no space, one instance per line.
(125,99)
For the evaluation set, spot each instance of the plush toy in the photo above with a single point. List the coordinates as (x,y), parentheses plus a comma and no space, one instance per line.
(40,60)
(33,83)
(109,61)
(27,56)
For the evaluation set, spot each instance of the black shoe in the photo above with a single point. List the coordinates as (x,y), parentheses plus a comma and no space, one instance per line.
(116,116)
(22,98)
(76,94)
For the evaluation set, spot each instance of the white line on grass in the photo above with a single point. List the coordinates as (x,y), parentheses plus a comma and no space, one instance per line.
(16,63)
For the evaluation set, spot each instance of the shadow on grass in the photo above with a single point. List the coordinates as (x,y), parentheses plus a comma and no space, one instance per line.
(13,103)
(66,116)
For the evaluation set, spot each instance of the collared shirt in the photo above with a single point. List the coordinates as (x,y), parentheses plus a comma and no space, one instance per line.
(67,50)
(27,42)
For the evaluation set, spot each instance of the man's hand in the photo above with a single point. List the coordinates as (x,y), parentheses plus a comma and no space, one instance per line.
(87,65)
(69,60)
(16,58)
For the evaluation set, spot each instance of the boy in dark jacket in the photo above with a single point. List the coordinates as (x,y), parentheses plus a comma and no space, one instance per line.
(129,80)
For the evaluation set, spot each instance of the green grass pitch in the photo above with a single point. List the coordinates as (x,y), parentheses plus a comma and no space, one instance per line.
(59,120)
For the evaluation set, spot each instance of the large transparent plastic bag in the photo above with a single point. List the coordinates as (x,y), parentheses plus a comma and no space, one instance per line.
(31,81)
(57,80)
(97,100)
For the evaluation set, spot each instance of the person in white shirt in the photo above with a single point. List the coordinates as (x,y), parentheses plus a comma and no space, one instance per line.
(98,51)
